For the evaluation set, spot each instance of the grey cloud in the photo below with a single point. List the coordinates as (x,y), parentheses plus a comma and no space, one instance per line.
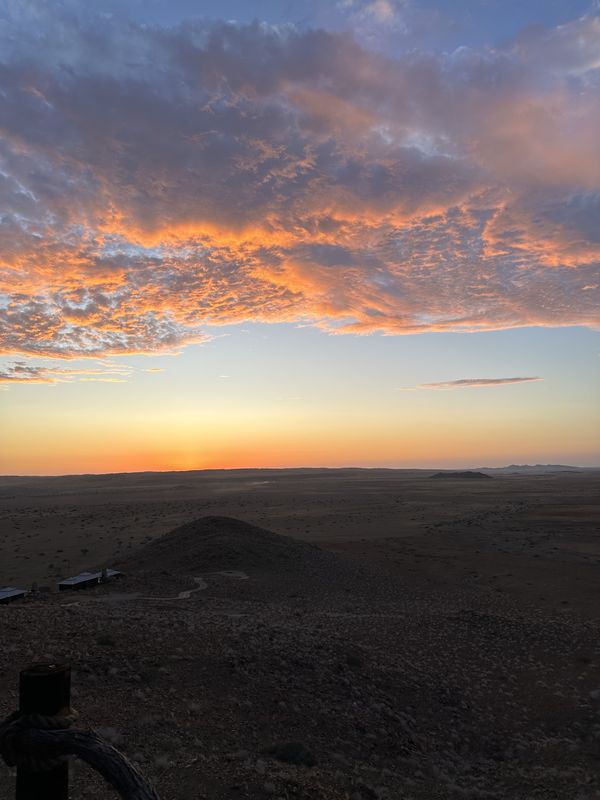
(466,383)
(329,255)
(153,181)
(25,372)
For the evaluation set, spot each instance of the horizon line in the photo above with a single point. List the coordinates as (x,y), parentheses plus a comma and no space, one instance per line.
(292,468)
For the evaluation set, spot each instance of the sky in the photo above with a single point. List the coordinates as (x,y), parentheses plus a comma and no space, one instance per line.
(281,233)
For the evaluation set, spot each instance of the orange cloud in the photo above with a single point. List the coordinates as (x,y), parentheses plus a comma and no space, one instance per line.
(24,372)
(253,174)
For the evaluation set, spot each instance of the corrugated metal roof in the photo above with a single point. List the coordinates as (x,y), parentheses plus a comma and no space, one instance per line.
(88,578)
(83,577)
(8,593)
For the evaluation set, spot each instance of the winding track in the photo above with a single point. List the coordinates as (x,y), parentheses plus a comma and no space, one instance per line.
(184,595)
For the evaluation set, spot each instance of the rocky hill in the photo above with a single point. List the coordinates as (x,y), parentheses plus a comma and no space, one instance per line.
(224,543)
(468,475)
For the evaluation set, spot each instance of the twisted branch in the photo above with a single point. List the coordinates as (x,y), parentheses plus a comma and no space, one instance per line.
(26,744)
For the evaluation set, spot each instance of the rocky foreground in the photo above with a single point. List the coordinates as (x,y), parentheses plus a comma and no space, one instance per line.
(232,663)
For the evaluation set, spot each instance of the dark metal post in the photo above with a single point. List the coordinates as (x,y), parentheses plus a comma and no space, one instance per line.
(44,689)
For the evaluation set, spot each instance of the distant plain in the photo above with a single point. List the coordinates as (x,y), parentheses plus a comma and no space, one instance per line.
(441,641)
(534,536)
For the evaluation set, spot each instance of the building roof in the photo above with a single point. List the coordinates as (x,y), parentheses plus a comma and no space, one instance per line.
(11,593)
(88,577)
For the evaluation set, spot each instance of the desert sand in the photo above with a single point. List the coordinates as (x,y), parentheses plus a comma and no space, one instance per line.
(343,634)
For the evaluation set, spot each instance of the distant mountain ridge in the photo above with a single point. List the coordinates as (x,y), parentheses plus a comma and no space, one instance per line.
(537,468)
(98,481)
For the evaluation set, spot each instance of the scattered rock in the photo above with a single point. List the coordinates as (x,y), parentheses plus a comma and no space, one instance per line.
(293,753)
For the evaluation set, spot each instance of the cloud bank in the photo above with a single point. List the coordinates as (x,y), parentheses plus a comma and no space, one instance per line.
(154,182)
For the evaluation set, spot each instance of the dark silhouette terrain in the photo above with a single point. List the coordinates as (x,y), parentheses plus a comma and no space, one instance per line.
(468,475)
(215,543)
(341,635)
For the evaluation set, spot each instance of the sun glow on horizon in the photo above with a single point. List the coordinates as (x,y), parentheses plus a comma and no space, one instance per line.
(299,398)
(381,226)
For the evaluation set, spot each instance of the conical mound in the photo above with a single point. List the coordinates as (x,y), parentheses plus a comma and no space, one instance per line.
(211,544)
(468,475)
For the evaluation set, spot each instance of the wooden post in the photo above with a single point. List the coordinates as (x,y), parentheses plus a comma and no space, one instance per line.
(44,689)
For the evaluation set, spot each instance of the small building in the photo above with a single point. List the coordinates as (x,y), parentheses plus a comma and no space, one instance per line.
(82,581)
(10,593)
(86,579)
(109,574)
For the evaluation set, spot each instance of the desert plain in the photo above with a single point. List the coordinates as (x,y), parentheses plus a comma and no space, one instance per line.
(338,634)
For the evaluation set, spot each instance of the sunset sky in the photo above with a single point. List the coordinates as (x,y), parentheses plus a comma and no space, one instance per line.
(298,233)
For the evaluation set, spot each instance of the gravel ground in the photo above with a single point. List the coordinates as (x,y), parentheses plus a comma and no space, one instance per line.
(344,684)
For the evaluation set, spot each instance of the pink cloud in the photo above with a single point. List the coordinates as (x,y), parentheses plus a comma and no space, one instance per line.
(25,372)
(476,383)
(223,173)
